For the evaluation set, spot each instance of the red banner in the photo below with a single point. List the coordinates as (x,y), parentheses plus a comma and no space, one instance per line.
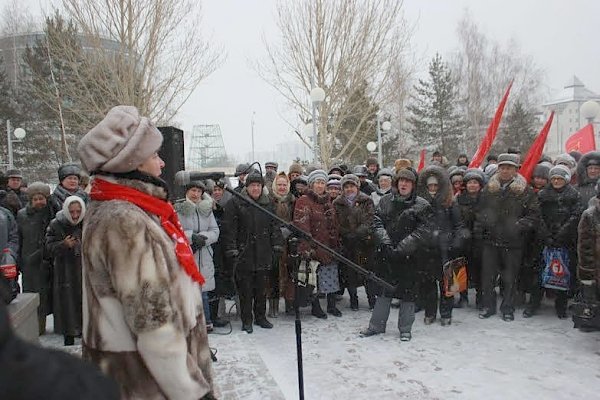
(421,161)
(582,141)
(490,135)
(535,151)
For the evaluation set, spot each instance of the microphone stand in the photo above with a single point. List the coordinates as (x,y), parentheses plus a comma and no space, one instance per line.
(297,234)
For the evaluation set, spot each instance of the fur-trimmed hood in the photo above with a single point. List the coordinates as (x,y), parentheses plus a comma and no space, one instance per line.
(204,206)
(582,176)
(444,194)
(517,186)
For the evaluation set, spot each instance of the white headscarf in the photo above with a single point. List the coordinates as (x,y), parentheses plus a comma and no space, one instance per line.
(70,200)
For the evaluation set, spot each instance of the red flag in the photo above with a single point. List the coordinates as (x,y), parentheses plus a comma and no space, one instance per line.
(490,135)
(535,151)
(582,141)
(421,161)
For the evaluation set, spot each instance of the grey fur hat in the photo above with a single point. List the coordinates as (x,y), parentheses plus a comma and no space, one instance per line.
(350,178)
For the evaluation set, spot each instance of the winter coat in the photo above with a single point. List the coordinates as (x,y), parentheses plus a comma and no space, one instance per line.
(60,194)
(284,209)
(14,200)
(588,243)
(143,315)
(367,187)
(355,227)
(251,232)
(449,230)
(560,211)
(315,215)
(468,211)
(505,215)
(9,232)
(586,186)
(34,263)
(404,223)
(378,194)
(66,280)
(199,218)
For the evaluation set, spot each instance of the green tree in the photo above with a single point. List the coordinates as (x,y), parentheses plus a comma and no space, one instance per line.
(518,130)
(434,120)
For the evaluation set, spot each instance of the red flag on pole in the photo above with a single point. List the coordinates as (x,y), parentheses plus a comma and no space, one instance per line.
(582,141)
(421,161)
(490,135)
(535,151)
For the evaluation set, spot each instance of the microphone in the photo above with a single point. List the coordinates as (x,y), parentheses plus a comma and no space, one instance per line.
(182,178)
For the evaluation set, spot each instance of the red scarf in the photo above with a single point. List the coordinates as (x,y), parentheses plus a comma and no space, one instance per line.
(104,191)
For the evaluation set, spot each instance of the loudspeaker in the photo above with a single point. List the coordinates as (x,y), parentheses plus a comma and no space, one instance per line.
(172,153)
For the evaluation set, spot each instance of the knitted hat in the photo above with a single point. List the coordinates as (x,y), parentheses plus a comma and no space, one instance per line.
(509,159)
(241,169)
(254,177)
(567,160)
(371,161)
(296,168)
(121,142)
(317,174)
(561,171)
(334,183)
(68,169)
(405,173)
(385,172)
(334,177)
(14,173)
(335,168)
(402,163)
(271,164)
(195,184)
(38,188)
(541,171)
(474,173)
(490,169)
(350,178)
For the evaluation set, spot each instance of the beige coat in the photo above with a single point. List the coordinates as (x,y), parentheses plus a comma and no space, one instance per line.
(143,321)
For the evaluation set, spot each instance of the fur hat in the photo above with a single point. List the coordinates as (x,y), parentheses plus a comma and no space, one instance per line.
(432,180)
(241,169)
(271,164)
(402,163)
(359,170)
(541,171)
(317,174)
(561,171)
(492,157)
(195,184)
(254,177)
(14,173)
(567,160)
(509,159)
(490,170)
(385,172)
(576,155)
(336,168)
(474,173)
(296,168)
(38,188)
(371,161)
(121,142)
(68,169)
(350,178)
(405,173)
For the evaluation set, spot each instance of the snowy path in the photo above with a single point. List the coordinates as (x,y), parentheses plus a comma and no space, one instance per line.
(539,358)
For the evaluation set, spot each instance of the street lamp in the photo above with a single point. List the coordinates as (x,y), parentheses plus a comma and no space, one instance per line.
(317,95)
(385,126)
(19,134)
(589,110)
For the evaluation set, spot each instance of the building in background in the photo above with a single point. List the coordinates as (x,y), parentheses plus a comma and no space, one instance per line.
(567,117)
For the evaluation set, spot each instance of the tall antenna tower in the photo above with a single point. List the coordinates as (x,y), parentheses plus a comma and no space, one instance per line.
(207,148)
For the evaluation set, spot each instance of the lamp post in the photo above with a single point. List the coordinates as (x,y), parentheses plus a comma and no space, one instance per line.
(19,135)
(589,110)
(385,126)
(317,95)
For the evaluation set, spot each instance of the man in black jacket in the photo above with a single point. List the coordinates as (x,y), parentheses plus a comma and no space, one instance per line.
(251,240)
(508,210)
(402,228)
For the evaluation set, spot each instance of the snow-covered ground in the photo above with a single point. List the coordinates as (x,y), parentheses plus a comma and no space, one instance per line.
(539,358)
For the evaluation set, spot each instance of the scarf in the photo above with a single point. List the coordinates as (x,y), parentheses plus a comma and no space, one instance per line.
(350,198)
(103,190)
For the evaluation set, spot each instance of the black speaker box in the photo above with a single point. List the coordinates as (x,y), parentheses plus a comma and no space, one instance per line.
(172,153)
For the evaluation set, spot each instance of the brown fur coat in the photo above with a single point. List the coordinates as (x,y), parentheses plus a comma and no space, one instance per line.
(143,321)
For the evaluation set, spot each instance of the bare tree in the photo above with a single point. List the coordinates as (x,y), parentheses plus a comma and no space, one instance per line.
(339,46)
(484,68)
(146,53)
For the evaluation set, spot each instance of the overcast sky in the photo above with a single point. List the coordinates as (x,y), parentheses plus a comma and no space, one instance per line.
(561,35)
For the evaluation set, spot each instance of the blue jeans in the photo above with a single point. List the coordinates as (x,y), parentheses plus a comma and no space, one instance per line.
(206,306)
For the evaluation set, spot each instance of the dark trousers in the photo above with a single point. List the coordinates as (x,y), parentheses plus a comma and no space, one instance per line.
(503,261)
(252,289)
(381,313)
(429,292)
(560,301)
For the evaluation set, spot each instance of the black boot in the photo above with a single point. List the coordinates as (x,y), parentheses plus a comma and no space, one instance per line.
(214,312)
(264,323)
(69,340)
(317,311)
(353,299)
(331,308)
(247,328)
(289,307)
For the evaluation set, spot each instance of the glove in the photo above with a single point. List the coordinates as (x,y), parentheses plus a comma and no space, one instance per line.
(199,240)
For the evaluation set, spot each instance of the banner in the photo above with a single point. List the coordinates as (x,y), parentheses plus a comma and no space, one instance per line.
(421,161)
(490,135)
(535,151)
(582,141)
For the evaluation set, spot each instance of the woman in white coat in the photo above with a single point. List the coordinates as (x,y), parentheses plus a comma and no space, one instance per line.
(200,226)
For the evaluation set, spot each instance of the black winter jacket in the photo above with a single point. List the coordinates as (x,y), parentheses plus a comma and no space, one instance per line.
(560,211)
